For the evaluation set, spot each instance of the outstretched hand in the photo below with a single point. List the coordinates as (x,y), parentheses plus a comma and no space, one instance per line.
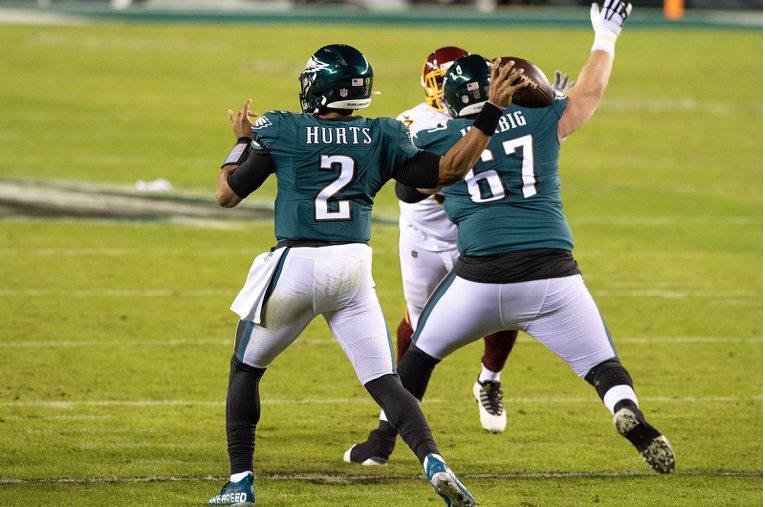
(501,87)
(562,82)
(611,17)
(240,122)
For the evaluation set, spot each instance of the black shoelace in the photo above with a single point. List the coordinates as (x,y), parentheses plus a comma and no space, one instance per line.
(492,397)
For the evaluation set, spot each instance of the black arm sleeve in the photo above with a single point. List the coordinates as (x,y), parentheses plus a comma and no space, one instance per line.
(408,194)
(251,174)
(419,171)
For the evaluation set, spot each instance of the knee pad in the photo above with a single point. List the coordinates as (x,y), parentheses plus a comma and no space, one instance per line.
(415,370)
(240,368)
(608,374)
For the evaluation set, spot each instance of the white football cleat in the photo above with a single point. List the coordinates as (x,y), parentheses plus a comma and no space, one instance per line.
(490,408)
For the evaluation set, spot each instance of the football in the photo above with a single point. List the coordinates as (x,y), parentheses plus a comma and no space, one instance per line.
(538,93)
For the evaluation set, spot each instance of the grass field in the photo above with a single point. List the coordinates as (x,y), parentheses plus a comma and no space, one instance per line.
(115,336)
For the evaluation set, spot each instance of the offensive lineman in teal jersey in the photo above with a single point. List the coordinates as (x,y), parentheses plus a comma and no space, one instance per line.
(491,207)
(516,267)
(329,165)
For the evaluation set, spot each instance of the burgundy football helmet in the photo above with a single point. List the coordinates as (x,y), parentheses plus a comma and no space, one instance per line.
(436,65)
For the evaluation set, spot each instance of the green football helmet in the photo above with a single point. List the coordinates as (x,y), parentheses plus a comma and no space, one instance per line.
(466,85)
(336,76)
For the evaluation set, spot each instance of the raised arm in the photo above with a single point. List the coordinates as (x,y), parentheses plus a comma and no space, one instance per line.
(253,171)
(583,99)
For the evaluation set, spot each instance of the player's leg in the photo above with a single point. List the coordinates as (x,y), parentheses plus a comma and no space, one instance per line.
(446,324)
(487,389)
(570,324)
(403,337)
(255,348)
(360,328)
(421,271)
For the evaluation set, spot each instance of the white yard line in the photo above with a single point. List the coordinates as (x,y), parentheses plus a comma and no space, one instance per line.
(339,478)
(344,401)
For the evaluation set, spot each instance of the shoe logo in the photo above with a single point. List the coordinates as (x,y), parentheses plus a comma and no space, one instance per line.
(230,498)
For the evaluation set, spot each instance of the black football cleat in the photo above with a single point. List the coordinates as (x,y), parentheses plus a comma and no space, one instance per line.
(653,447)
(375,451)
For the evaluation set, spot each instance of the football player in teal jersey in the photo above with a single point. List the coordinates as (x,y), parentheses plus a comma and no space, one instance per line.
(329,164)
(516,267)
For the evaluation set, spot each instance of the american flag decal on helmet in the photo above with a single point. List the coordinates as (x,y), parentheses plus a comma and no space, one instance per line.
(472,86)
(357,81)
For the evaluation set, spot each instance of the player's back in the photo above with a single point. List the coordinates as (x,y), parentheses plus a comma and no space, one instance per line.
(329,171)
(510,200)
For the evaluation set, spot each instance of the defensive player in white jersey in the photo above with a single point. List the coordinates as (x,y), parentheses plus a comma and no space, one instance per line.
(428,250)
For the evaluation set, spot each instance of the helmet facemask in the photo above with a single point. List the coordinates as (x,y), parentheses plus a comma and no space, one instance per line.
(433,71)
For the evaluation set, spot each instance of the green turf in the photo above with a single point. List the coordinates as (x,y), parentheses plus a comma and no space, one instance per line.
(115,337)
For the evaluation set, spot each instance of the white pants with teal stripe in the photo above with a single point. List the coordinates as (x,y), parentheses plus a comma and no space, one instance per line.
(332,281)
(558,312)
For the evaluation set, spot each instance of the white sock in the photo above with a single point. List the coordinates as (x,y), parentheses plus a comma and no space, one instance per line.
(487,375)
(238,477)
(617,394)
(382,416)
(438,456)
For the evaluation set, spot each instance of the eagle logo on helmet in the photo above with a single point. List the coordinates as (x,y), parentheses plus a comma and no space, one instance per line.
(314,64)
(337,76)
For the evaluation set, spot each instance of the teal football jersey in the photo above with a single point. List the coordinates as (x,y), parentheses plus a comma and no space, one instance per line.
(329,171)
(511,199)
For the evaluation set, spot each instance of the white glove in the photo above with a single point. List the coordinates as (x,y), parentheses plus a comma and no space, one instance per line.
(561,83)
(607,23)
(611,17)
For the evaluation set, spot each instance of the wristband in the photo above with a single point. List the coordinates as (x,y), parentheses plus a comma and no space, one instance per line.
(605,40)
(488,118)
(238,153)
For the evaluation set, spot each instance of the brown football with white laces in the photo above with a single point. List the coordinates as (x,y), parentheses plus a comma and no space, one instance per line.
(538,93)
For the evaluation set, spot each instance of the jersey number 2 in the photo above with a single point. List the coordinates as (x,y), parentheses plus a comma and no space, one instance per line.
(327,208)
(487,186)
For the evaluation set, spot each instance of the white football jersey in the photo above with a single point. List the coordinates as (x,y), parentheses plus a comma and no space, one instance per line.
(428,215)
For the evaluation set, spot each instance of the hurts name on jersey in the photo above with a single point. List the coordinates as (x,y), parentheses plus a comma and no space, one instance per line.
(338,135)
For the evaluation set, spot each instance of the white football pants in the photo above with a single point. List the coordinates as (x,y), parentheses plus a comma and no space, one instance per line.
(332,281)
(558,312)
(425,261)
